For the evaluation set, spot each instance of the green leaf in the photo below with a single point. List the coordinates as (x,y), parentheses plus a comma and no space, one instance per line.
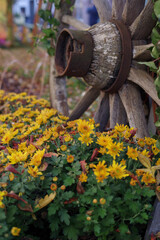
(67,195)
(157,124)
(69,181)
(145,215)
(71,232)
(52,209)
(123,228)
(155,36)
(158,142)
(54,225)
(102,212)
(51,51)
(157,9)
(64,216)
(97,229)
(157,82)
(10,213)
(155,52)
(2,214)
(151,65)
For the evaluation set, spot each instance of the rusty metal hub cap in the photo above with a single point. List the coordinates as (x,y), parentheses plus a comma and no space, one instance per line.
(74,52)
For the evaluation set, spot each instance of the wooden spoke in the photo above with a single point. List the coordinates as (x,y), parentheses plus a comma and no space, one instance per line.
(142,52)
(132,9)
(117,8)
(145,81)
(151,120)
(67,19)
(117,110)
(89,97)
(144,23)
(104,10)
(131,99)
(102,114)
(58,93)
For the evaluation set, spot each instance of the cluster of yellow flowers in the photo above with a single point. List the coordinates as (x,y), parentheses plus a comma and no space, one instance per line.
(28,124)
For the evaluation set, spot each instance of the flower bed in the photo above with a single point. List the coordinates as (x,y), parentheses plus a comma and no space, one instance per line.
(66,180)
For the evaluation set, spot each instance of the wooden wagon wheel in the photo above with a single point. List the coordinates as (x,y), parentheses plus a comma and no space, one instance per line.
(112,73)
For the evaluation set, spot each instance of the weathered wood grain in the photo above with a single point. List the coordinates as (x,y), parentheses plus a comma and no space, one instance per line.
(117,8)
(117,110)
(144,23)
(106,55)
(102,114)
(70,20)
(132,9)
(131,99)
(104,10)
(145,81)
(58,92)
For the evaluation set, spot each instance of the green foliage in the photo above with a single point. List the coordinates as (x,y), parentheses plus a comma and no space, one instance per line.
(155,53)
(66,196)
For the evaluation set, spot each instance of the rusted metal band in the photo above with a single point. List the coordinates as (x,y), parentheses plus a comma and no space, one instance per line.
(126,57)
(74,52)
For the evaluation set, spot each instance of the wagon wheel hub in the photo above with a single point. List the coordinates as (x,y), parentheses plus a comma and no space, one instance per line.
(74,53)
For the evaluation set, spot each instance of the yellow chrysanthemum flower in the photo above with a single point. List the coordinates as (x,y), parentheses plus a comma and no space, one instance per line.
(63,147)
(117,170)
(100,171)
(132,153)
(70,158)
(141,142)
(83,177)
(155,150)
(85,139)
(114,149)
(85,127)
(15,231)
(8,136)
(34,171)
(120,128)
(18,157)
(133,182)
(158,162)
(103,150)
(149,141)
(36,160)
(147,178)
(104,140)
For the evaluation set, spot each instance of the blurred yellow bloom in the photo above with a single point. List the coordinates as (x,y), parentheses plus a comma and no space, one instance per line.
(18,156)
(155,150)
(11,176)
(141,142)
(132,153)
(70,158)
(8,136)
(15,231)
(147,178)
(103,150)
(133,182)
(36,160)
(85,139)
(34,171)
(104,140)
(149,141)
(83,177)
(100,171)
